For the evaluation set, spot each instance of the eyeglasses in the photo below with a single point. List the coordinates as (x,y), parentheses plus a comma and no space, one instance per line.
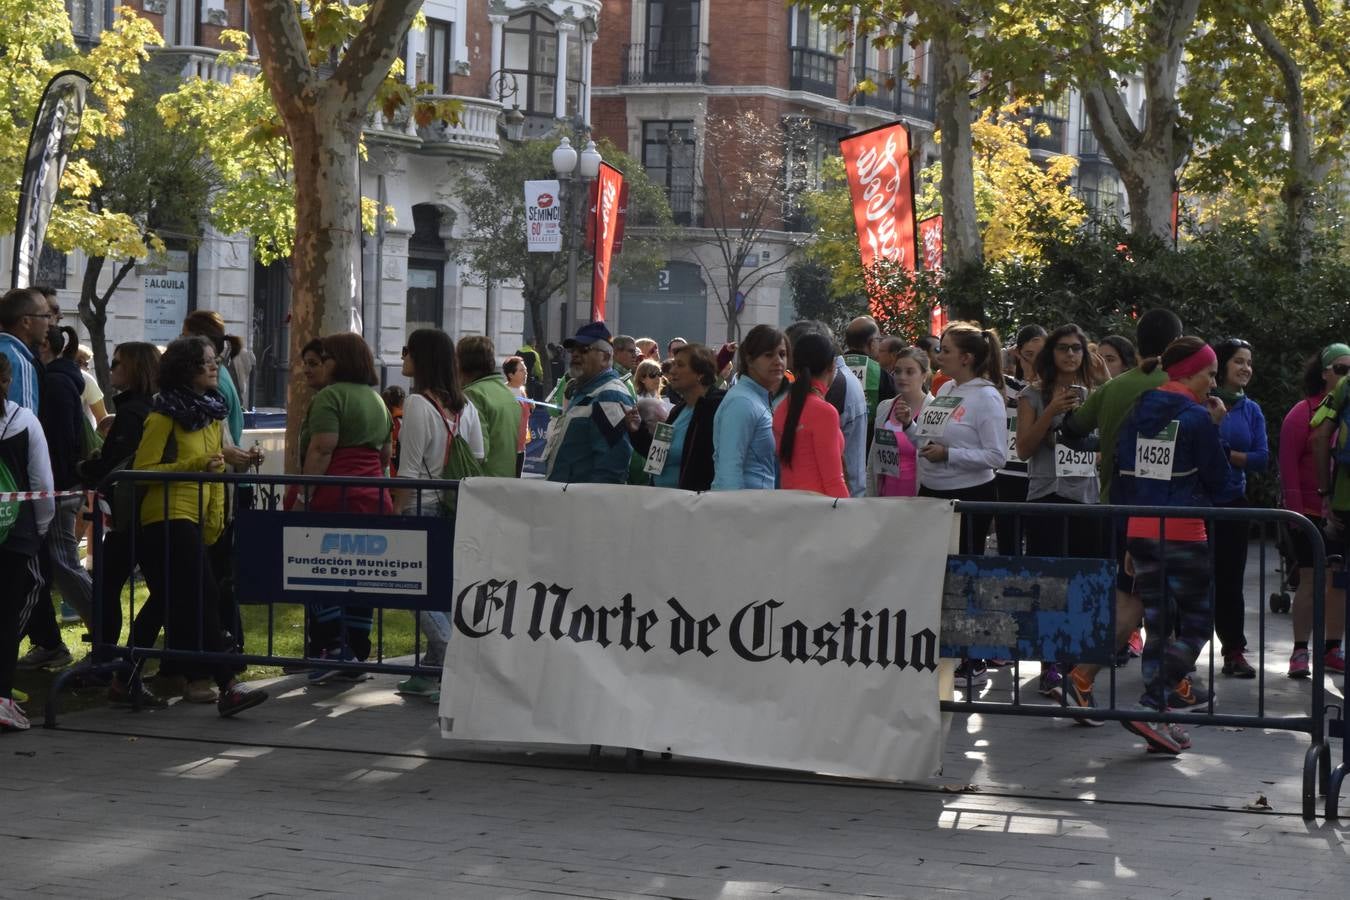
(48,316)
(1069,348)
(1341,368)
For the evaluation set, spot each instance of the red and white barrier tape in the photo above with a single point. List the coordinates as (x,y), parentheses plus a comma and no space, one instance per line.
(10,496)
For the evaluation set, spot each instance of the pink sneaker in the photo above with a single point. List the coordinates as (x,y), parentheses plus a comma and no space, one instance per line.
(1298,664)
(1335,661)
(1136,644)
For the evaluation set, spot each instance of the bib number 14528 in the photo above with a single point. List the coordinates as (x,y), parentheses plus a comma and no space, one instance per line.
(1155,456)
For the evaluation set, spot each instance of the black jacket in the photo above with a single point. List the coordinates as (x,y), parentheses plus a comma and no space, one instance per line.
(696,466)
(122,441)
(62,416)
(14,450)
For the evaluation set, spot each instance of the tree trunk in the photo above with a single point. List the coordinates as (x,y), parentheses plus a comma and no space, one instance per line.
(537,305)
(962,247)
(95,319)
(1150,179)
(325,270)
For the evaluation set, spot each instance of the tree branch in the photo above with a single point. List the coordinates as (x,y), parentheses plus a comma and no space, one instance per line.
(367,60)
(283,54)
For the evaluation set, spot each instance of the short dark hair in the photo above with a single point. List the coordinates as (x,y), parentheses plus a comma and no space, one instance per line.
(314,346)
(893,344)
(477,356)
(140,362)
(1224,351)
(351,358)
(511,363)
(758,340)
(393,396)
(1156,329)
(859,332)
(18,303)
(182,362)
(702,361)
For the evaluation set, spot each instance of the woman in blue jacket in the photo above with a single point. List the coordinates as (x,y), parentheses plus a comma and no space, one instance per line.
(1169,454)
(744,455)
(1243,432)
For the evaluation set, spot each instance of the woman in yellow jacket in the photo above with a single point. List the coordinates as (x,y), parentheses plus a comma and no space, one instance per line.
(183,434)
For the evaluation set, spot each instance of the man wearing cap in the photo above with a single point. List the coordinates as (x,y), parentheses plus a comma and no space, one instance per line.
(589,442)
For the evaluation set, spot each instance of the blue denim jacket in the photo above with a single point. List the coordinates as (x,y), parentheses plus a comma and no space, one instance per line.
(743,449)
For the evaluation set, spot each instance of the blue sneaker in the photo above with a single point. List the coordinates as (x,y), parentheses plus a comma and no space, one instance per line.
(321,675)
(68,614)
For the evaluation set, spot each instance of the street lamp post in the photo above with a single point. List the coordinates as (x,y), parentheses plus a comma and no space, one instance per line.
(577,171)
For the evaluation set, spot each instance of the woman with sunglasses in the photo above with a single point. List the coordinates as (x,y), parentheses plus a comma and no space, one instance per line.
(1300,481)
(1243,432)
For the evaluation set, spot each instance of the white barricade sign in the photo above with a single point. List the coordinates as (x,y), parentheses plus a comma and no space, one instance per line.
(762,638)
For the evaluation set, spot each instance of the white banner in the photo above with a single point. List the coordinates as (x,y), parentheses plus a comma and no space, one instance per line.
(543,217)
(772,628)
(165,279)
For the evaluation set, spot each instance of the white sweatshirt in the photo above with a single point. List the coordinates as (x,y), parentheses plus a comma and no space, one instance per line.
(421,442)
(976,437)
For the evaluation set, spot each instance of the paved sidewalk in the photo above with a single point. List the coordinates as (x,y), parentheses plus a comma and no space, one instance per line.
(349,790)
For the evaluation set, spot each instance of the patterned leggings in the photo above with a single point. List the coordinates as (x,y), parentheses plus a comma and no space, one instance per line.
(1181,608)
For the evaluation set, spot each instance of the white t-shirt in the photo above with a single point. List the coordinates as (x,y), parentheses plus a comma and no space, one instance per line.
(92,394)
(422,441)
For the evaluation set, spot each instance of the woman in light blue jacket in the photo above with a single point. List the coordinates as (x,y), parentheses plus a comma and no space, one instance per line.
(743,448)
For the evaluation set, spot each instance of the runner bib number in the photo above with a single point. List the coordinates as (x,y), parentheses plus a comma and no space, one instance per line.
(936,414)
(1070,463)
(656,456)
(1012,439)
(888,453)
(1154,456)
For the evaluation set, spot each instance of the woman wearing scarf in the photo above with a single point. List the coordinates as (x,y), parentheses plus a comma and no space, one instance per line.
(1170,454)
(1243,433)
(346,432)
(183,433)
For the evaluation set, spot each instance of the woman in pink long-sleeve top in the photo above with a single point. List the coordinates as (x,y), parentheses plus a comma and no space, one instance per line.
(806,427)
(1298,480)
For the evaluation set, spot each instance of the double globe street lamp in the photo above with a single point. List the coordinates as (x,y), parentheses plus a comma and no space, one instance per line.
(576,171)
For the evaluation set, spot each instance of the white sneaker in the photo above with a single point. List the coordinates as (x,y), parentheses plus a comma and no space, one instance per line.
(11,717)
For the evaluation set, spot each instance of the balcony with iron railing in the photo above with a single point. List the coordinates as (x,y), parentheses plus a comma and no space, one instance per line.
(916,101)
(813,71)
(1050,138)
(1088,145)
(884,97)
(682,211)
(669,61)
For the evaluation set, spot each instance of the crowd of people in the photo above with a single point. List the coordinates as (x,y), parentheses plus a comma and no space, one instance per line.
(1052,418)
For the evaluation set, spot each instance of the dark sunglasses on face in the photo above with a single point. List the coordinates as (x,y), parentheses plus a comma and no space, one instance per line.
(1069,348)
(1341,368)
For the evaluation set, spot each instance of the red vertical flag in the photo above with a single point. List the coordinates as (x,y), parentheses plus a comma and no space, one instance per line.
(608,187)
(930,242)
(881,184)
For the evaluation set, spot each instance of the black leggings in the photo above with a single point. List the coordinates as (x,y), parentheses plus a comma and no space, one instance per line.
(974,527)
(1230,564)
(18,574)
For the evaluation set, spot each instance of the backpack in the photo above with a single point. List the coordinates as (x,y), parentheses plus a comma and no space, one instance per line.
(1342,451)
(459,459)
(9,509)
(93,441)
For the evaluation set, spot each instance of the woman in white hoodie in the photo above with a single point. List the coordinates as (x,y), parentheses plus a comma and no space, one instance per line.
(23,455)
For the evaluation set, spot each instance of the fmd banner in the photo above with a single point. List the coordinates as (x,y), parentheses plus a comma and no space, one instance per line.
(785,629)
(343,560)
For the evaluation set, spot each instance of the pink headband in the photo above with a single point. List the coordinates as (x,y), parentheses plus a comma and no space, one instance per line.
(1192,365)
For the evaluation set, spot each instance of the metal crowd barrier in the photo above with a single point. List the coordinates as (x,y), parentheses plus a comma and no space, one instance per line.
(255,517)
(1109,522)
(258,520)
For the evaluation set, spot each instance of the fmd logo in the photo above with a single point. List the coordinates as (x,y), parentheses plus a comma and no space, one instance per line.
(347,542)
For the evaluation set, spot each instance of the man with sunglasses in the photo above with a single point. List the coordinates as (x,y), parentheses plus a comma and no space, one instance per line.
(24,318)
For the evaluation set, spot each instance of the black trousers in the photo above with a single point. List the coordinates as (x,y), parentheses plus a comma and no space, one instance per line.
(18,574)
(183,596)
(42,628)
(974,527)
(1010,489)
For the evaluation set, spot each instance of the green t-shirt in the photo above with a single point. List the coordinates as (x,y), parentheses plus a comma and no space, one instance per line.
(235,420)
(1106,410)
(354,412)
(1329,410)
(499,413)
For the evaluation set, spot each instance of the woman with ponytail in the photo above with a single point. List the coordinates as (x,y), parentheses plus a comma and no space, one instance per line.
(806,427)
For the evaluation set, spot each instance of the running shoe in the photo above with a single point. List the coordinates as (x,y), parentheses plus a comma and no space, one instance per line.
(201,690)
(1076,697)
(1051,683)
(11,717)
(1186,695)
(321,675)
(1178,734)
(1160,738)
(1299,664)
(237,699)
(43,658)
(1236,666)
(972,672)
(1334,661)
(19,696)
(68,614)
(1136,643)
(419,686)
(121,694)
